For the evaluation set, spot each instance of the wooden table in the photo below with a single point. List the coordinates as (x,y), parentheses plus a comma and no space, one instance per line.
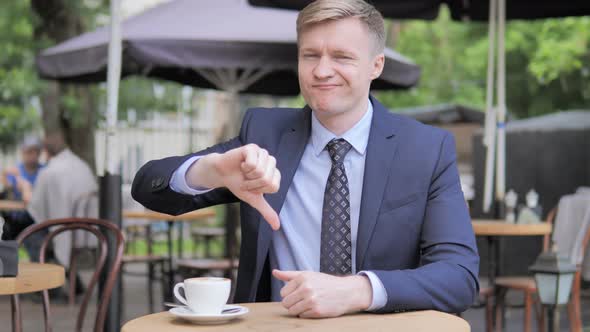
(273,317)
(6,205)
(492,229)
(485,227)
(170,220)
(157,216)
(33,277)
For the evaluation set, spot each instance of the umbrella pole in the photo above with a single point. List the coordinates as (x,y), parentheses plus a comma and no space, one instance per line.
(489,138)
(113,78)
(501,95)
(110,183)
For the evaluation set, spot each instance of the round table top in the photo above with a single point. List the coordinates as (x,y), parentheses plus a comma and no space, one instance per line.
(6,205)
(33,277)
(152,215)
(486,227)
(273,317)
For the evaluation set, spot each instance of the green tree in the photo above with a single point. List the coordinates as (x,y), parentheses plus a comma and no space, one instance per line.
(30,26)
(18,83)
(547,64)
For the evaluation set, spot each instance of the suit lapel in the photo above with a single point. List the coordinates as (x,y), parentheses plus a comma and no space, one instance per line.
(381,149)
(288,155)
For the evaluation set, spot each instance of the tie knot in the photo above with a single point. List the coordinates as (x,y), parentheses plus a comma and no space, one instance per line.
(338,148)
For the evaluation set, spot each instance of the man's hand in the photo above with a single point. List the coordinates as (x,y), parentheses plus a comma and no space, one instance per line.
(318,295)
(248,172)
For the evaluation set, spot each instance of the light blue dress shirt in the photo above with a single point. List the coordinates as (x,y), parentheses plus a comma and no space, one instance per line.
(296,245)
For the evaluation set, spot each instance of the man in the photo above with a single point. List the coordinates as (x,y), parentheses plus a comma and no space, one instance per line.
(371,212)
(64,183)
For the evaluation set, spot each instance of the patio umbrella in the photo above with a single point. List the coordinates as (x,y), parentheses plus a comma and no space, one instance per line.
(495,12)
(460,9)
(221,44)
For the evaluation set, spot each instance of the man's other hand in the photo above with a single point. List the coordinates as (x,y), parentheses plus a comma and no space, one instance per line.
(319,295)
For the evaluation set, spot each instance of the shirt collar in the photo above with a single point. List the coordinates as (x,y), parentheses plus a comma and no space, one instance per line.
(357,136)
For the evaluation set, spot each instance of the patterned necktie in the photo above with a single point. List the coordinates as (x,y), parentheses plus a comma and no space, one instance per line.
(336,248)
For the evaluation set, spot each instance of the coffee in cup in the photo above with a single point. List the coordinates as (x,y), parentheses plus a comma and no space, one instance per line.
(205,295)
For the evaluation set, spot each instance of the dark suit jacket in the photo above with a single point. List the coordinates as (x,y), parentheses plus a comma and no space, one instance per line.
(414,228)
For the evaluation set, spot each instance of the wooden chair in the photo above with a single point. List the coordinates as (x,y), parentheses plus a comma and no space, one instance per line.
(150,259)
(227,265)
(487,292)
(141,229)
(205,235)
(85,206)
(101,229)
(203,266)
(528,287)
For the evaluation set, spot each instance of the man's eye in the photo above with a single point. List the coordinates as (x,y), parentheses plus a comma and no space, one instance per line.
(310,56)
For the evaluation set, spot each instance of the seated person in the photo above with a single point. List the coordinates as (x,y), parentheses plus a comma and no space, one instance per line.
(18,183)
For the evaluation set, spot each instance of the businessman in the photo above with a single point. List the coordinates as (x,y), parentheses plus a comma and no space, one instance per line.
(345,207)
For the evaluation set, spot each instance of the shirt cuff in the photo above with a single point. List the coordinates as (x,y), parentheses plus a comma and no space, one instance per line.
(379,293)
(178,179)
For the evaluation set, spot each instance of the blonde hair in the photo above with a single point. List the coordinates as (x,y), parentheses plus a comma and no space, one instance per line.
(331,10)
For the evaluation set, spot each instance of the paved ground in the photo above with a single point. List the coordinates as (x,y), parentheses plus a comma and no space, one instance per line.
(135,305)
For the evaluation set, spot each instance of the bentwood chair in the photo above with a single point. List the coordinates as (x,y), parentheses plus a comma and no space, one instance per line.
(101,230)
(528,286)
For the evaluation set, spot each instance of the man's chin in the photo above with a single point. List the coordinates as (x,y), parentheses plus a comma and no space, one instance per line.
(327,105)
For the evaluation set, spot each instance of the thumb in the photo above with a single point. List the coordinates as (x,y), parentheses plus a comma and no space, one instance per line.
(285,275)
(268,213)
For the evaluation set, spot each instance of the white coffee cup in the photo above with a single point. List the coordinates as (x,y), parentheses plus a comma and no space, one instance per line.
(205,295)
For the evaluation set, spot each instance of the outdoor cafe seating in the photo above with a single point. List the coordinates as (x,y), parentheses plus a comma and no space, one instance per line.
(95,227)
(580,229)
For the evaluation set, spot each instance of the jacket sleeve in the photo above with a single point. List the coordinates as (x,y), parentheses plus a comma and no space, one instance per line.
(151,185)
(446,279)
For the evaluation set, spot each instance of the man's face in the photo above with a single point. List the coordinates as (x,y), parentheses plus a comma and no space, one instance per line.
(31,156)
(337,63)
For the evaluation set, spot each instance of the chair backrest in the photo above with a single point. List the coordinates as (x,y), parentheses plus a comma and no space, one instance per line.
(85,205)
(550,219)
(101,229)
(579,246)
(571,223)
(586,240)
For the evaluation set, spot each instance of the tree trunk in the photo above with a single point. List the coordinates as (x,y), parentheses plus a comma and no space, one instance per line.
(393,34)
(58,21)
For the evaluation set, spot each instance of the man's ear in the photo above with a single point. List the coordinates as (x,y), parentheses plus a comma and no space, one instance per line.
(378,63)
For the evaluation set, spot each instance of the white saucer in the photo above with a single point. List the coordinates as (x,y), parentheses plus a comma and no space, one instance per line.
(188,315)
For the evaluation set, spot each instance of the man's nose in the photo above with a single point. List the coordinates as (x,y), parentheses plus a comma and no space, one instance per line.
(323,69)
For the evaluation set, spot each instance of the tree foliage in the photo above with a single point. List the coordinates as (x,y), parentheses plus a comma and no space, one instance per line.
(29,26)
(18,83)
(547,64)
